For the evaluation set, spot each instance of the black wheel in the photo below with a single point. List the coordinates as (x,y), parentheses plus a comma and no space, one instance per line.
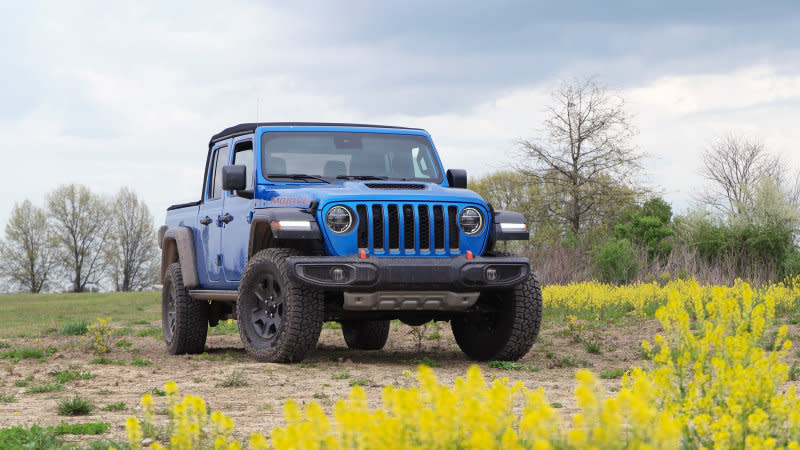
(280,319)
(184,321)
(365,334)
(505,325)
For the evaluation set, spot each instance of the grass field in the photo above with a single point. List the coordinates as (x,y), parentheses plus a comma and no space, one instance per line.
(37,314)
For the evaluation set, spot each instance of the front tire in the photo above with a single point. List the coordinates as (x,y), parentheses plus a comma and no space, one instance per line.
(506,328)
(184,320)
(280,319)
(365,334)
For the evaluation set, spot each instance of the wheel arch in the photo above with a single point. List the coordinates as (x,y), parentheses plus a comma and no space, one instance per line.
(265,231)
(177,246)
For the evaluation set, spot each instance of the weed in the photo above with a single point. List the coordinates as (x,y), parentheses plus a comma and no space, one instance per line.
(29,352)
(427,361)
(506,365)
(418,333)
(44,387)
(226,327)
(7,398)
(217,357)
(150,332)
(612,374)
(104,392)
(359,382)
(592,347)
(34,436)
(123,343)
(100,335)
(139,362)
(91,428)
(794,372)
(234,379)
(24,382)
(155,391)
(267,407)
(4,344)
(67,375)
(331,326)
(76,406)
(104,360)
(120,406)
(556,405)
(342,375)
(75,328)
(306,365)
(567,361)
(320,396)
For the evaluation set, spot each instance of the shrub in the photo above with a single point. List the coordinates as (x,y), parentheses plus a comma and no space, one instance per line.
(615,261)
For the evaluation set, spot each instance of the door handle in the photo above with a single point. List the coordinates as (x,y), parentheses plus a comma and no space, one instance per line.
(205,220)
(226,218)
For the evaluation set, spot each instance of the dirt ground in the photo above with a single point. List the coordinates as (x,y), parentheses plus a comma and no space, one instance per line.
(324,376)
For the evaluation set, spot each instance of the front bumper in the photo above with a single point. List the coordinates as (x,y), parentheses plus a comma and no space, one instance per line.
(370,274)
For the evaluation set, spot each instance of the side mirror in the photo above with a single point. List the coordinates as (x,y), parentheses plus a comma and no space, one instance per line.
(234,178)
(457,178)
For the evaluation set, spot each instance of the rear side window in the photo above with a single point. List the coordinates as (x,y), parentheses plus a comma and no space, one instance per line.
(220,159)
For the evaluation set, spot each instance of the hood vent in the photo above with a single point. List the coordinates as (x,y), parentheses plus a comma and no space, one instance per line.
(395,186)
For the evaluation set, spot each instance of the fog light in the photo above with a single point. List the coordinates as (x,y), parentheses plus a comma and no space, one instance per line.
(337,274)
(491,274)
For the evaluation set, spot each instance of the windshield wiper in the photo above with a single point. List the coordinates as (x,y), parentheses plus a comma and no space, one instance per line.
(360,177)
(297,176)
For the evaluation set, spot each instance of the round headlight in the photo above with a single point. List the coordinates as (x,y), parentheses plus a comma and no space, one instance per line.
(471,221)
(339,219)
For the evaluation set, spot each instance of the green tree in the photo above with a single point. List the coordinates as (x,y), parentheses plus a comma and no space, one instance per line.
(649,226)
(27,254)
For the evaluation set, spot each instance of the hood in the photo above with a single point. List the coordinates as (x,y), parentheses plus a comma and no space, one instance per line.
(301,195)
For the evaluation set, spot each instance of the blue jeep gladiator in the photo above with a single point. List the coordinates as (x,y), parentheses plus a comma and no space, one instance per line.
(302,223)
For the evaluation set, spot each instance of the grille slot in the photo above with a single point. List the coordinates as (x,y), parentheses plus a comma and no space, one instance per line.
(377,227)
(452,219)
(424,228)
(363,226)
(394,228)
(438,228)
(408,227)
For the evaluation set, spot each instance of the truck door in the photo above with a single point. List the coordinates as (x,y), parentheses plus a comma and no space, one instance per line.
(236,211)
(209,226)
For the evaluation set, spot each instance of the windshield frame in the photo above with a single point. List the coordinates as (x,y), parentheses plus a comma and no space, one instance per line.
(422,137)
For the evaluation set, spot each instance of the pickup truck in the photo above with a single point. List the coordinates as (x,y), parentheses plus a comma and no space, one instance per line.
(302,223)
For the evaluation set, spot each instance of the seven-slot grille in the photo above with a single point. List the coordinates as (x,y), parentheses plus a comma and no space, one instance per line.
(408,229)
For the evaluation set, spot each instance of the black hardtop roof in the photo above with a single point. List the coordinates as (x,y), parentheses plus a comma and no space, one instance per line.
(247,128)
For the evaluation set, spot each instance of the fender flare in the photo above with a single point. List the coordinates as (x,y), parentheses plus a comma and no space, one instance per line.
(177,245)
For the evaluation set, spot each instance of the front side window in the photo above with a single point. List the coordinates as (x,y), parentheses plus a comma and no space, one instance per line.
(243,156)
(220,159)
(334,155)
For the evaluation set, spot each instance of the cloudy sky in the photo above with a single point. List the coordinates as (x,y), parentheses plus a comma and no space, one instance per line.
(112,94)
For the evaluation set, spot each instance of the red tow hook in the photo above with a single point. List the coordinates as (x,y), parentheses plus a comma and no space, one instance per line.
(469,254)
(362,253)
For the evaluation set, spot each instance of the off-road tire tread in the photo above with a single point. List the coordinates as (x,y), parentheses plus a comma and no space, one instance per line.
(303,316)
(524,327)
(191,316)
(366,334)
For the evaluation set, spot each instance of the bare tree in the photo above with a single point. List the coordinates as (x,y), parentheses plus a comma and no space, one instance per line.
(733,165)
(584,158)
(27,255)
(81,223)
(131,253)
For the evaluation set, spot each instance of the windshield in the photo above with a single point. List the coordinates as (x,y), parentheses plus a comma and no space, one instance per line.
(332,155)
